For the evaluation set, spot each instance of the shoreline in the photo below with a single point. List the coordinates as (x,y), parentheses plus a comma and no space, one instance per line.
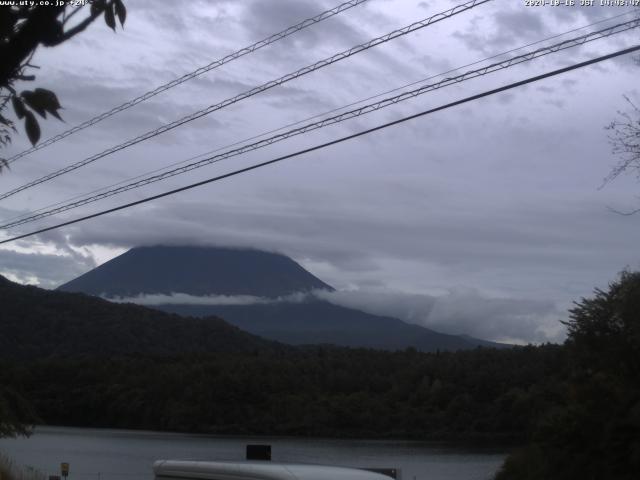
(478,444)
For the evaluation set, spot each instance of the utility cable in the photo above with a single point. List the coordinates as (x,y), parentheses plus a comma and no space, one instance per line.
(332,142)
(318,115)
(188,76)
(516,60)
(254,91)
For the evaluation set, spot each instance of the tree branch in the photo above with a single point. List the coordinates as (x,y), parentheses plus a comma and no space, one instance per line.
(68,17)
(80,27)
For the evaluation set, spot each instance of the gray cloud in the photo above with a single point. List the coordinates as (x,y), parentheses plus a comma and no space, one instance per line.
(277,16)
(185,299)
(510,24)
(44,270)
(263,19)
(462,311)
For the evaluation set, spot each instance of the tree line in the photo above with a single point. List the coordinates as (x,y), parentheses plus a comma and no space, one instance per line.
(316,391)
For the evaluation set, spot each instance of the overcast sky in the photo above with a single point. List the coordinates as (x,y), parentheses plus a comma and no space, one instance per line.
(485,219)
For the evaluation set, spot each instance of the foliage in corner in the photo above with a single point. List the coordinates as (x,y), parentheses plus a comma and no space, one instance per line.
(594,433)
(23,28)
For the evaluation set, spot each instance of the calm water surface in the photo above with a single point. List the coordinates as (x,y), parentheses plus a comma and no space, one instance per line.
(128,455)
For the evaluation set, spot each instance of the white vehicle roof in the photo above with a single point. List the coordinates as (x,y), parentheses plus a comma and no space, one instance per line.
(188,470)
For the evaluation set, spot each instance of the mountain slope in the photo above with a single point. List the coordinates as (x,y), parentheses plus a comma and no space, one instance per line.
(36,323)
(322,322)
(196,271)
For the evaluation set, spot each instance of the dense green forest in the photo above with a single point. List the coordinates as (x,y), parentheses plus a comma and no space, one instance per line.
(315,391)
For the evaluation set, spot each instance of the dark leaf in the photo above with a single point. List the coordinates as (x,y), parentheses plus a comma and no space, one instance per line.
(109,17)
(51,33)
(121,11)
(18,106)
(96,7)
(42,101)
(32,127)
(34,102)
(49,101)
(49,98)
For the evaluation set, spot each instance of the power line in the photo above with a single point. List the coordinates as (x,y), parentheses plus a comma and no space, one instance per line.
(254,91)
(333,142)
(339,118)
(365,109)
(298,122)
(188,76)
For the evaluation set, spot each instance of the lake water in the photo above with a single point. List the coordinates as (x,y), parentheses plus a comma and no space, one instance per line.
(95,454)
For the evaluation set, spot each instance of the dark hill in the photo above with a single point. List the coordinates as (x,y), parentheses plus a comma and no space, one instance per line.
(196,271)
(36,323)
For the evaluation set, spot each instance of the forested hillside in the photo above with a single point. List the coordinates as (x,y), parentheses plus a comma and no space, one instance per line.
(37,323)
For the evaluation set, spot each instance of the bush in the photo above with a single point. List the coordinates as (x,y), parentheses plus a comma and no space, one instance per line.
(594,433)
(9,471)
